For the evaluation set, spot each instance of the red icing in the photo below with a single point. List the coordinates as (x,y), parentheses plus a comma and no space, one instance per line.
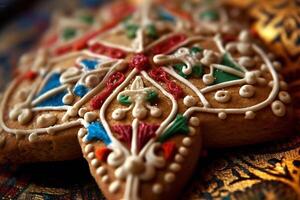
(160,75)
(102,153)
(31,75)
(113,81)
(108,51)
(139,61)
(124,133)
(145,133)
(169,149)
(49,40)
(168,44)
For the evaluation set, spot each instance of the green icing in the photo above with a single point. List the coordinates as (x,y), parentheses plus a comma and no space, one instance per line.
(124,100)
(179,126)
(209,15)
(68,33)
(151,31)
(227,61)
(195,50)
(197,70)
(221,76)
(178,67)
(151,96)
(87,19)
(131,30)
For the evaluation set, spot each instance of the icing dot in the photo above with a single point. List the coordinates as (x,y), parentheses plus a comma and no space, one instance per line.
(95,162)
(88,148)
(278,108)
(183,151)
(25,116)
(175,167)
(82,132)
(155,112)
(249,115)
(247,91)
(157,188)
(270,84)
(284,97)
(244,48)
(101,171)
(90,116)
(264,67)
(283,85)
(192,131)
(120,173)
(250,77)
(244,36)
(114,186)
(105,179)
(179,158)
(194,121)
(189,101)
(222,96)
(92,80)
(68,99)
(134,165)
(91,155)
(187,141)
(46,120)
(33,137)
(82,111)
(169,177)
(277,65)
(208,79)
(222,115)
(118,114)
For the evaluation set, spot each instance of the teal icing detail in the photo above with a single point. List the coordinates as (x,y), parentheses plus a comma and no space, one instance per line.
(221,76)
(80,90)
(151,96)
(124,100)
(96,131)
(54,100)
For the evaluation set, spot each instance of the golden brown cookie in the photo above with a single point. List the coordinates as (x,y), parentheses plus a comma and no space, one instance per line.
(179,88)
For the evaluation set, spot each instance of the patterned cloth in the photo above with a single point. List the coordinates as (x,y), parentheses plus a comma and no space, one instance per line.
(267,171)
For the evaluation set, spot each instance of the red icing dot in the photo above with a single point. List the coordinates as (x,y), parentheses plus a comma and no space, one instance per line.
(102,153)
(169,149)
(31,75)
(159,74)
(139,61)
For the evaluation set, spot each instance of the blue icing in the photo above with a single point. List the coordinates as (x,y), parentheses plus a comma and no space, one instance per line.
(164,15)
(54,100)
(89,64)
(96,131)
(80,90)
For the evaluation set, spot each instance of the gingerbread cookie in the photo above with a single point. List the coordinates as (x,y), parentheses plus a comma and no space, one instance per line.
(33,127)
(181,90)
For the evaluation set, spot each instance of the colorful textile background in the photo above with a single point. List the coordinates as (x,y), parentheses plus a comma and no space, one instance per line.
(268,171)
